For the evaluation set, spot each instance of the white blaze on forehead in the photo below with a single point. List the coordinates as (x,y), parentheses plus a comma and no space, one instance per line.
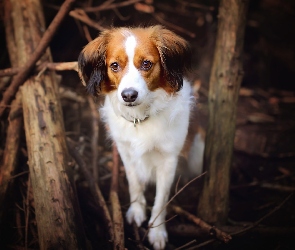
(132,77)
(130,45)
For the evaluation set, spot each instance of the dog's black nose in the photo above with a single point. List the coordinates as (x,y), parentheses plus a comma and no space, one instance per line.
(129,95)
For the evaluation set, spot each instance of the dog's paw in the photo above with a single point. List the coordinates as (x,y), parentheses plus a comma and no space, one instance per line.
(158,237)
(136,212)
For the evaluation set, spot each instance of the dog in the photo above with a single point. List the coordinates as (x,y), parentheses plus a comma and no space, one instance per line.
(147,108)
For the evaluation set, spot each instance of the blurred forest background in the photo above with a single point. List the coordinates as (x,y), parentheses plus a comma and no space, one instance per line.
(263,170)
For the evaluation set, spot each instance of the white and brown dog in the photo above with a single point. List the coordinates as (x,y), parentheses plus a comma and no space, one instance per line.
(147,109)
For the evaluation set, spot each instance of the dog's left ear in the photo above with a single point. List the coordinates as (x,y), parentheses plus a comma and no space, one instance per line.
(91,64)
(175,55)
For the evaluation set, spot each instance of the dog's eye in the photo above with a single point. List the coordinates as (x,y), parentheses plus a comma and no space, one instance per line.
(115,67)
(146,65)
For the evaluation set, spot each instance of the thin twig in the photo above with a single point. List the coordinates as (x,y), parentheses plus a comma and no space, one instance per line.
(137,237)
(265,216)
(82,16)
(249,227)
(177,183)
(178,192)
(186,245)
(27,212)
(173,26)
(110,6)
(196,5)
(171,218)
(87,33)
(44,42)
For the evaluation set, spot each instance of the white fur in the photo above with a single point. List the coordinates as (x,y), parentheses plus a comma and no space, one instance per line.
(133,77)
(195,157)
(150,149)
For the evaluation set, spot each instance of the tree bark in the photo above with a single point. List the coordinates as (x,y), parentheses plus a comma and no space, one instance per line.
(225,80)
(57,212)
(11,151)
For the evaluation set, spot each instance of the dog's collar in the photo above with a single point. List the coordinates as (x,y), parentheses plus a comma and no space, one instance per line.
(136,121)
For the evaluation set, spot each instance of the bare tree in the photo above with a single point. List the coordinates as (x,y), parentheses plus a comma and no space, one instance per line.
(225,80)
(57,212)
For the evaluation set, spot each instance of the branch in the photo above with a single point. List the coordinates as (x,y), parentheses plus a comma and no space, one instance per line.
(82,16)
(94,137)
(115,203)
(265,216)
(48,65)
(44,42)
(249,227)
(110,6)
(94,189)
(160,19)
(211,230)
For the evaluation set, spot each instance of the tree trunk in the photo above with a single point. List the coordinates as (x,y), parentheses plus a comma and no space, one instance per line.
(57,212)
(225,80)
(11,151)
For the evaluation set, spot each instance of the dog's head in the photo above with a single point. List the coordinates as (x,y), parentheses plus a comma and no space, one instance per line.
(134,61)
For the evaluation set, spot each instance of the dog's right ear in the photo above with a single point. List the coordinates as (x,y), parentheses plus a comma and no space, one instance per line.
(91,64)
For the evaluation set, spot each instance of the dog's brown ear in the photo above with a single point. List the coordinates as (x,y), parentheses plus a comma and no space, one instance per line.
(91,64)
(175,55)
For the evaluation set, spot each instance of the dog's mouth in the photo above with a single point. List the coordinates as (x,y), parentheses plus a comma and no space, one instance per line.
(131,105)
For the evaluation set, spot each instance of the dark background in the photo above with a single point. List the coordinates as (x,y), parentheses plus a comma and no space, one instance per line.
(263,171)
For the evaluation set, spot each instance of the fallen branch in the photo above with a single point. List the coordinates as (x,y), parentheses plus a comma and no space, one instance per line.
(211,230)
(94,137)
(94,189)
(110,6)
(249,227)
(265,185)
(137,240)
(48,65)
(115,203)
(44,42)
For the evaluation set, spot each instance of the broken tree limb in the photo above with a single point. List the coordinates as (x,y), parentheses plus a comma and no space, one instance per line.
(94,137)
(48,65)
(110,6)
(210,230)
(40,49)
(225,81)
(115,203)
(94,189)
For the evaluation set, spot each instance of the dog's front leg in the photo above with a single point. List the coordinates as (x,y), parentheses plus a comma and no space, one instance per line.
(165,176)
(136,211)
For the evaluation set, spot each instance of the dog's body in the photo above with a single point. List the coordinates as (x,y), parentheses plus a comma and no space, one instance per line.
(147,107)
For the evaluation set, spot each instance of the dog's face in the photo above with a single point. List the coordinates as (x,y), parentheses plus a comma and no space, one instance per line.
(134,62)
